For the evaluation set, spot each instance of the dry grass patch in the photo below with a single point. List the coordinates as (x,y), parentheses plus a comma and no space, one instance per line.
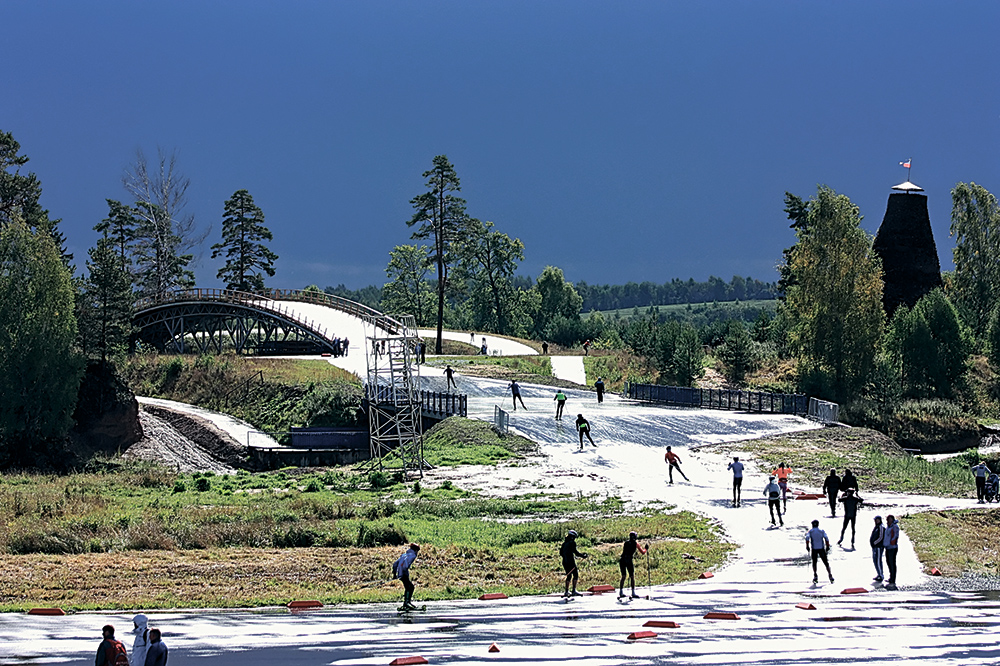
(957,542)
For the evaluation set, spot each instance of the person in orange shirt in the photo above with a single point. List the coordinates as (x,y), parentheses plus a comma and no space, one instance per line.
(782,474)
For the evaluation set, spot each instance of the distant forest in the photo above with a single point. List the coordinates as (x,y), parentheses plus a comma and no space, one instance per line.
(630,295)
(624,296)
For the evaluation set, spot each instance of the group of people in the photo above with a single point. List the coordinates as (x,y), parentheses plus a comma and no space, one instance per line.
(884,542)
(340,346)
(567,551)
(148,649)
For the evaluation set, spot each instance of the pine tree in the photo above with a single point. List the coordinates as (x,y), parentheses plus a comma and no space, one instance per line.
(441,216)
(20,195)
(243,237)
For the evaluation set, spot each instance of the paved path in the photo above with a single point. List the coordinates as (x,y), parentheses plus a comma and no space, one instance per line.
(239,430)
(569,368)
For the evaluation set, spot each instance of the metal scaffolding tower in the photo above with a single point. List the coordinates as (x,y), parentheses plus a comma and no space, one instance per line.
(392,392)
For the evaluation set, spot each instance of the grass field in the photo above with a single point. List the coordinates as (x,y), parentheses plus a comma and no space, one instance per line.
(142,536)
(684,311)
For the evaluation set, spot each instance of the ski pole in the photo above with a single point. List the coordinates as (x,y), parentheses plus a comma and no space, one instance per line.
(649,594)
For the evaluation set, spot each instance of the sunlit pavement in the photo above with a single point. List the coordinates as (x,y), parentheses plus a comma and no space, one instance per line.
(763,583)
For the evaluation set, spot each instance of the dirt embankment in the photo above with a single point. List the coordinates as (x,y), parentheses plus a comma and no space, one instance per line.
(186,443)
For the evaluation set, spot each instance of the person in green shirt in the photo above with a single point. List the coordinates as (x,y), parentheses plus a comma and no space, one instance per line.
(560,403)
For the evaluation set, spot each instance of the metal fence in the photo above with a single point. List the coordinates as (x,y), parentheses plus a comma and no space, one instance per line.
(827,412)
(436,403)
(501,420)
(748,401)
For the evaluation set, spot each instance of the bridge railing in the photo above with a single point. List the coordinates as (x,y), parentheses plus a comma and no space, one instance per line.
(229,296)
(269,301)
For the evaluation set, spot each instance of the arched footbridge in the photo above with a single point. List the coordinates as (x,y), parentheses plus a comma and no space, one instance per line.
(276,321)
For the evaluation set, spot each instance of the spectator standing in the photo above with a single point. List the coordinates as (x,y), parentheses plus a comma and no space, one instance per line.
(111,652)
(139,646)
(878,548)
(599,385)
(981,471)
(450,375)
(831,487)
(157,653)
(891,543)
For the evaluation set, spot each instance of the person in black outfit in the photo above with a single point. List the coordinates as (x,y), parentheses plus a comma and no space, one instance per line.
(831,487)
(849,481)
(545,349)
(599,385)
(569,553)
(851,501)
(626,564)
(450,374)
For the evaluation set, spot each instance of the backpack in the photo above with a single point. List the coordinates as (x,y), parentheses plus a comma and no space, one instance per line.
(117,656)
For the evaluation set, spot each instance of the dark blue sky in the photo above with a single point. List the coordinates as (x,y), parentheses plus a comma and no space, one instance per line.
(619,140)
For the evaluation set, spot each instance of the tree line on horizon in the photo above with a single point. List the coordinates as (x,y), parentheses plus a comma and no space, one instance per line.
(605,297)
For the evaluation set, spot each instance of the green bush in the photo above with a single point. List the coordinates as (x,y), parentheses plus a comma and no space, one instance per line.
(180,486)
(202,484)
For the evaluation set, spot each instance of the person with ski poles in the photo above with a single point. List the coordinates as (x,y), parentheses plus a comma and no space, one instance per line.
(773,493)
(737,468)
(401,570)
(449,373)
(673,462)
(627,565)
(583,426)
(560,400)
(817,545)
(569,553)
(851,501)
(782,474)
(515,393)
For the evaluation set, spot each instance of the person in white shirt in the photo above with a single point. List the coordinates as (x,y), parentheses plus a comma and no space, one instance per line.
(737,467)
(817,545)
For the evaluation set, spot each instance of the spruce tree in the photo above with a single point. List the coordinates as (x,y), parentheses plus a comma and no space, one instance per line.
(105,310)
(243,245)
